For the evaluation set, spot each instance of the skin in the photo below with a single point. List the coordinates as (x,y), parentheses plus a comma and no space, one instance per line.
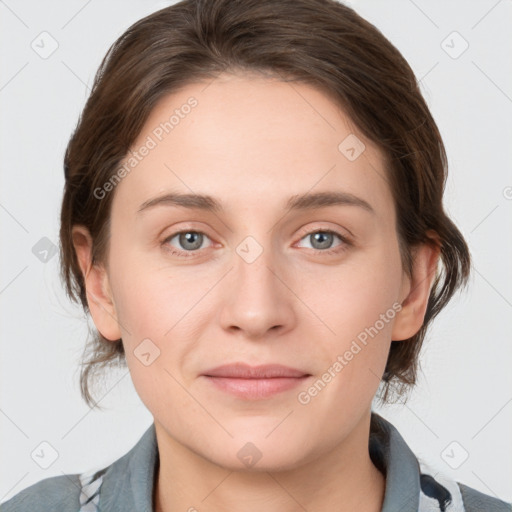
(252,143)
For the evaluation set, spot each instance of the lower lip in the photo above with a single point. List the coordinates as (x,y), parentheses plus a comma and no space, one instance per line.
(256,389)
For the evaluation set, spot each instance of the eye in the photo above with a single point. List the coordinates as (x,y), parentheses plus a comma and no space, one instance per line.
(321,241)
(188,241)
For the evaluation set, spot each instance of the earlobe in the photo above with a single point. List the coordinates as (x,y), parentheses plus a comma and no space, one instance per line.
(414,305)
(99,295)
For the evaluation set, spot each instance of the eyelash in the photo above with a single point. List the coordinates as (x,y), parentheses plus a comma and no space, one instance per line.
(189,254)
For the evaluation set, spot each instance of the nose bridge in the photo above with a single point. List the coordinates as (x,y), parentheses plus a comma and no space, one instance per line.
(254,280)
(256,300)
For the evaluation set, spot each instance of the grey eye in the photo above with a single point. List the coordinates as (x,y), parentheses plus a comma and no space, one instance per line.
(321,239)
(188,240)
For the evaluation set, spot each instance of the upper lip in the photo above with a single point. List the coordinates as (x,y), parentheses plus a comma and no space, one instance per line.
(245,371)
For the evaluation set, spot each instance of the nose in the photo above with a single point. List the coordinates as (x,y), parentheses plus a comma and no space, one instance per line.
(259,299)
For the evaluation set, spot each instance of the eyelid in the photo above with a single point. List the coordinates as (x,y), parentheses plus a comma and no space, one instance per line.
(325,229)
(346,240)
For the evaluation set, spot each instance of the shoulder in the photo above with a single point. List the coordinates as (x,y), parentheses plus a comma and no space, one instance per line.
(474,501)
(409,476)
(441,491)
(58,493)
(125,485)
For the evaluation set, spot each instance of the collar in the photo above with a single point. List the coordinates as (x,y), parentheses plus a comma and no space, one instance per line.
(128,483)
(393,457)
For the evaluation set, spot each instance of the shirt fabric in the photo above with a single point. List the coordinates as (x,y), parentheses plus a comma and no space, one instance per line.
(127,484)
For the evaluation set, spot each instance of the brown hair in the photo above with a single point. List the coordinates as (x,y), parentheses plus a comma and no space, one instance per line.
(319,42)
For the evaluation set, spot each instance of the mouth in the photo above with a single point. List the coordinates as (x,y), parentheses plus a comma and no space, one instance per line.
(255,382)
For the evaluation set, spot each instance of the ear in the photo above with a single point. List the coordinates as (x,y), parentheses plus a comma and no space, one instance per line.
(99,295)
(416,289)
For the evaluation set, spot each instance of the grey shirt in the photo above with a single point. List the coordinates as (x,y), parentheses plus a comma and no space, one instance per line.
(127,484)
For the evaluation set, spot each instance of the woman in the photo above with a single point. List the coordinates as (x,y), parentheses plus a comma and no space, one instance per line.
(287,142)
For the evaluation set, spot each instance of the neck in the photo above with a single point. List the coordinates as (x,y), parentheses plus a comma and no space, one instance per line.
(344,479)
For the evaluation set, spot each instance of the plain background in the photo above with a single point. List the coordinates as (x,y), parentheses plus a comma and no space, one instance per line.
(462,406)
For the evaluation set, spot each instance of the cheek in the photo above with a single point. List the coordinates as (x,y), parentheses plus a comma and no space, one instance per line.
(149,296)
(353,295)
(160,310)
(148,306)
(359,304)
(139,305)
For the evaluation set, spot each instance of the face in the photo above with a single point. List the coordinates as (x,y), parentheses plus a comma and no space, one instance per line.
(315,286)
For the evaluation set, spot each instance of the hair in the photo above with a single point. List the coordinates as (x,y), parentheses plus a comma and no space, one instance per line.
(322,43)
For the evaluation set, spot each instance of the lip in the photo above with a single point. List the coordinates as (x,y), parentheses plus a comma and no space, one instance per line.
(255,382)
(246,371)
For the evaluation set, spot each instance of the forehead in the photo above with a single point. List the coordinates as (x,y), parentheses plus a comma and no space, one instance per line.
(250,139)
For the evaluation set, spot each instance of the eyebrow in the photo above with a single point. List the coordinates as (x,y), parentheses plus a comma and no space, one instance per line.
(307,201)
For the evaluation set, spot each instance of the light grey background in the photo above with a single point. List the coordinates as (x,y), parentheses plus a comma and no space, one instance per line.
(465,391)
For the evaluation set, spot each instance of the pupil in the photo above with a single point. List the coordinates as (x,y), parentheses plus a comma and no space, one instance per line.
(324,239)
(188,238)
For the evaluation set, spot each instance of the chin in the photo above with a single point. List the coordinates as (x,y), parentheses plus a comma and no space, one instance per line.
(265,461)
(254,452)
